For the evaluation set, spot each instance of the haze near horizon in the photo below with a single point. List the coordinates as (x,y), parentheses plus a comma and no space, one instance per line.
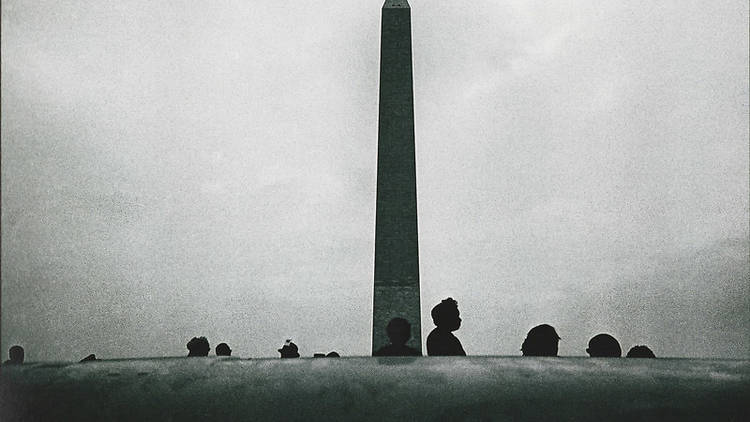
(184,169)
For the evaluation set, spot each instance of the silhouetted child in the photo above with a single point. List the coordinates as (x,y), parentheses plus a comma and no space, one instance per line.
(399,332)
(15,353)
(640,352)
(604,346)
(223,350)
(441,341)
(289,350)
(541,340)
(198,346)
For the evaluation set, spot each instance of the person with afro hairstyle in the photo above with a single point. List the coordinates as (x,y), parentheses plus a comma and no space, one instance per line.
(198,346)
(441,341)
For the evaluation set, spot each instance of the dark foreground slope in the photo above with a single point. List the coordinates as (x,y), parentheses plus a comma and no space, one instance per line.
(473,388)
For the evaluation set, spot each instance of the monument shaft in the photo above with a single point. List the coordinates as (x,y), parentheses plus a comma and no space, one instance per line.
(396,292)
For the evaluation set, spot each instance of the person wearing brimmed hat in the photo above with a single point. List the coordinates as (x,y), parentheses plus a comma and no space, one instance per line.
(541,340)
(289,350)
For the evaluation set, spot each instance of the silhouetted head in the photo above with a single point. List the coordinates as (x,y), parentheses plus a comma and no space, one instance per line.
(333,355)
(289,350)
(640,352)
(16,354)
(399,331)
(604,346)
(541,341)
(445,315)
(198,346)
(223,350)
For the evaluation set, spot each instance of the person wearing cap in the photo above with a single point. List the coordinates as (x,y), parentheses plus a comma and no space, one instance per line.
(399,332)
(541,340)
(441,341)
(604,346)
(289,350)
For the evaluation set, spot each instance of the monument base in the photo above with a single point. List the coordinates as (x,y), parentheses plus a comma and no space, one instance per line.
(346,389)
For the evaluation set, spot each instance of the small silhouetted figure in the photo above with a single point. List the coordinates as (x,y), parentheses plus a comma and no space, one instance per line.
(640,352)
(89,358)
(399,332)
(333,355)
(604,346)
(198,346)
(15,353)
(541,340)
(223,350)
(289,350)
(441,341)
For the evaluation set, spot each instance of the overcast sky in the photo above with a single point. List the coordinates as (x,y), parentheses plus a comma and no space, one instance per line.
(184,168)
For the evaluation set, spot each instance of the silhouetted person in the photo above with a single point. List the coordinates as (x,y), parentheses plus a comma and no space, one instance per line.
(441,341)
(15,353)
(198,346)
(289,350)
(604,346)
(541,340)
(399,332)
(333,355)
(89,358)
(223,350)
(640,352)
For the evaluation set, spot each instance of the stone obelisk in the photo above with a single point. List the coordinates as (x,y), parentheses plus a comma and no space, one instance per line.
(396,247)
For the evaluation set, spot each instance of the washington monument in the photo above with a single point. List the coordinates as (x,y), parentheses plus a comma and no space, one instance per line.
(396,292)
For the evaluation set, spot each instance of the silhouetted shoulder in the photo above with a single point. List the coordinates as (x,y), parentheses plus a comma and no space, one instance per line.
(443,343)
(89,358)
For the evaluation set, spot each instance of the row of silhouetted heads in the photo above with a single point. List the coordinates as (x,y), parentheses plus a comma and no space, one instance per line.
(199,346)
(541,340)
